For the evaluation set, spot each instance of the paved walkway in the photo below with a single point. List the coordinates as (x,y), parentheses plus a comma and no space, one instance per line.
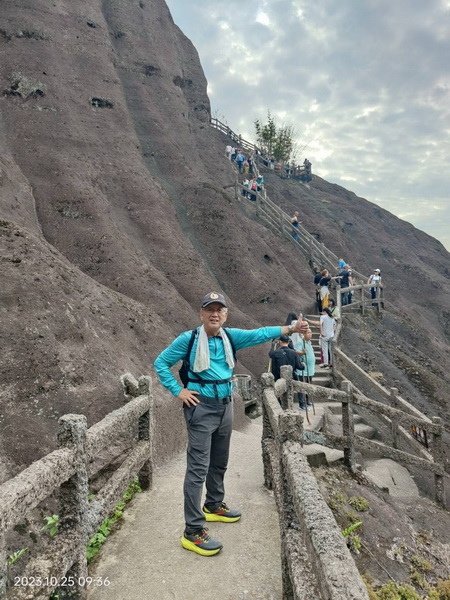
(144,559)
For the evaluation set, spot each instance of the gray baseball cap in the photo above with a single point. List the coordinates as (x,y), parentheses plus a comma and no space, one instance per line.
(213,297)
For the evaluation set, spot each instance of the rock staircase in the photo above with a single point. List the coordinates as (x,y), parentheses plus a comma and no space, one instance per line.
(388,475)
(327,416)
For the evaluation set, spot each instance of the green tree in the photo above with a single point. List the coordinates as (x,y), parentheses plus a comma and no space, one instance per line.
(277,141)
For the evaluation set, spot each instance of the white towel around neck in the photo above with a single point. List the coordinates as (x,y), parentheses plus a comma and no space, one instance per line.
(201,362)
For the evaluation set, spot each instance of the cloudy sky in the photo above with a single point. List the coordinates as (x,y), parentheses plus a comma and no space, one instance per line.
(366,83)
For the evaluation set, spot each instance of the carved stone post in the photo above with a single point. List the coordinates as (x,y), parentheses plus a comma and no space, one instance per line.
(3,561)
(258,204)
(439,458)
(394,420)
(348,428)
(145,430)
(281,222)
(363,301)
(287,399)
(74,500)
(290,427)
(378,297)
(339,300)
(267,381)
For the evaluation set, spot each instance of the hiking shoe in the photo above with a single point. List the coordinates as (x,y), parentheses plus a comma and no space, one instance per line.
(201,543)
(221,513)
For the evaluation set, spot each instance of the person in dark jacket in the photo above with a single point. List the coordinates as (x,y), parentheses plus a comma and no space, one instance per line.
(317,278)
(284,356)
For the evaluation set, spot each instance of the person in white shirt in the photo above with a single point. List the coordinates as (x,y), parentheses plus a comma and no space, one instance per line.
(375,279)
(228,151)
(327,331)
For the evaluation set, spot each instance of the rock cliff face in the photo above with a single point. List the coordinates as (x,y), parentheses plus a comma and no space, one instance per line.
(116,216)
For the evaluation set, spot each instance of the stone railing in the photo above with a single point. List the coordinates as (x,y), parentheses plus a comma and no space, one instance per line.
(416,438)
(66,471)
(285,171)
(316,562)
(398,416)
(274,217)
(234,137)
(360,297)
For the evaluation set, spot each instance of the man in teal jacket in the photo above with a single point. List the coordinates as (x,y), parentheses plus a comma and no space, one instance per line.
(208,411)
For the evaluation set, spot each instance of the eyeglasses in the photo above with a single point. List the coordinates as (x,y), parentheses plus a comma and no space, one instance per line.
(220,310)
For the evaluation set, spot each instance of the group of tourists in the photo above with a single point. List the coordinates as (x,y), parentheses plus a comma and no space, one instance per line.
(297,351)
(244,162)
(289,170)
(208,355)
(299,172)
(251,186)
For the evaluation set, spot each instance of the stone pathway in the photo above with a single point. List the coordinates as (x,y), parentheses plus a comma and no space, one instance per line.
(144,559)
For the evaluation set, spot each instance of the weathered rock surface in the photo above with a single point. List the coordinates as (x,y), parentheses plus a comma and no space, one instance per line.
(116,217)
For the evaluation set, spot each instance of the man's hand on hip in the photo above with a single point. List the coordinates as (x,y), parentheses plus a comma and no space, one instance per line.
(189,397)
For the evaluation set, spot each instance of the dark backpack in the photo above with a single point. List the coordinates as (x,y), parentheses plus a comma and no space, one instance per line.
(185,365)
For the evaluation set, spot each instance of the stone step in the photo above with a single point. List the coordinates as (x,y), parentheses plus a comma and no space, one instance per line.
(318,455)
(365,430)
(315,415)
(337,413)
(323,380)
(389,475)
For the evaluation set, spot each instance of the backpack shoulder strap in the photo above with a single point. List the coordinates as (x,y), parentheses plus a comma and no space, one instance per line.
(189,348)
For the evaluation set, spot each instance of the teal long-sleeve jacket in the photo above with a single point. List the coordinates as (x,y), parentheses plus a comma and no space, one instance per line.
(242,338)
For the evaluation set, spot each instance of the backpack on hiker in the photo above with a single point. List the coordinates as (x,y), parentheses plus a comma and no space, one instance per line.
(185,365)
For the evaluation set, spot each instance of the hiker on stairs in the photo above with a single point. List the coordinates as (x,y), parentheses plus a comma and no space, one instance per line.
(334,310)
(208,355)
(284,355)
(327,331)
(309,357)
(295,226)
(375,279)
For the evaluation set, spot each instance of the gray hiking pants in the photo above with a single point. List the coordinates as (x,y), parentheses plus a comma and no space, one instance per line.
(209,425)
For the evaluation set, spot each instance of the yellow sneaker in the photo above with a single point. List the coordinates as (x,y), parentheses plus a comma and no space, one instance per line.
(201,543)
(221,513)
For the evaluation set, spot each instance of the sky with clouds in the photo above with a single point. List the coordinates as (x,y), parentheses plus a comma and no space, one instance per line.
(366,83)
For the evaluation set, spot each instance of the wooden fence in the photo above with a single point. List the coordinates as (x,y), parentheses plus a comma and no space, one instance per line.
(67,471)
(316,562)
(400,416)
